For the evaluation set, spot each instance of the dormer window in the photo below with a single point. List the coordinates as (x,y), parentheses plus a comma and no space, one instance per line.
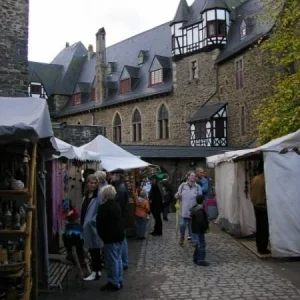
(243,30)
(125,86)
(156,77)
(111,67)
(142,57)
(76,99)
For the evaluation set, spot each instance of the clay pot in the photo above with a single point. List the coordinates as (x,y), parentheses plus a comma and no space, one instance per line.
(17,184)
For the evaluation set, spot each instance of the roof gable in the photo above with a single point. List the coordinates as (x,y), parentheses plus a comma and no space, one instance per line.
(160,62)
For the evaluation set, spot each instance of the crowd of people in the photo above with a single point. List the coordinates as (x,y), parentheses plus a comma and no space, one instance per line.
(100,226)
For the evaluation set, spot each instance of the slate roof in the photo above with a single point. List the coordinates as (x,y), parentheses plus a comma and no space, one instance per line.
(182,13)
(62,74)
(206,112)
(257,28)
(125,54)
(195,10)
(155,151)
(48,74)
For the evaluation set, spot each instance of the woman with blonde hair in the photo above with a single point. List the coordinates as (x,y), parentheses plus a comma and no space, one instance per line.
(88,214)
(101,175)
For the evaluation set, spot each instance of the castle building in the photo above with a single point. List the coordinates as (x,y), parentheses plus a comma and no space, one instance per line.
(174,94)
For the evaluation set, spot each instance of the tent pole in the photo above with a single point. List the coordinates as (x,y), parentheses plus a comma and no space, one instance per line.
(32,187)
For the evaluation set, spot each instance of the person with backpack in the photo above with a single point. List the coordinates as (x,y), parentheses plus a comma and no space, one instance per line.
(200,226)
(186,196)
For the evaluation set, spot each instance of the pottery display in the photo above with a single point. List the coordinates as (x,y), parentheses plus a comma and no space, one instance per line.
(16,184)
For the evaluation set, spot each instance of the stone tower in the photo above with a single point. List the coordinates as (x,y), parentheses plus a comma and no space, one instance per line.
(14,47)
(101,89)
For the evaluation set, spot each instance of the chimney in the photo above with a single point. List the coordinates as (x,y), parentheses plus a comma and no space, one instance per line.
(101,89)
(67,44)
(90,52)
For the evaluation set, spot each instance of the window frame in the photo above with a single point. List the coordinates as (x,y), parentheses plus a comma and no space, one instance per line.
(76,99)
(216,25)
(125,86)
(239,73)
(163,123)
(117,129)
(136,126)
(156,77)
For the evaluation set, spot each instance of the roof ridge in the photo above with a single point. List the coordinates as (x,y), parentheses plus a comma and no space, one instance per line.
(42,63)
(166,23)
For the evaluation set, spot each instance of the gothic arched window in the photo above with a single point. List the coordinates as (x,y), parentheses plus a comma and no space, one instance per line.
(163,122)
(117,129)
(136,126)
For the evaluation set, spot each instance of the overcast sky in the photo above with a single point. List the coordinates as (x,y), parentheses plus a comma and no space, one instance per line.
(52,23)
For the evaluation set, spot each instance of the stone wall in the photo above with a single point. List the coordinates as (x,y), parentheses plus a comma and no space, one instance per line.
(14,48)
(257,86)
(78,135)
(149,113)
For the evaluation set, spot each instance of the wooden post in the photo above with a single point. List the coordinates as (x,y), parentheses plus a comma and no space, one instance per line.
(32,187)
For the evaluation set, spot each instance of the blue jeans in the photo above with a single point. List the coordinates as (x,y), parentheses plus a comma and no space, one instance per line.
(125,253)
(114,267)
(141,224)
(186,222)
(200,249)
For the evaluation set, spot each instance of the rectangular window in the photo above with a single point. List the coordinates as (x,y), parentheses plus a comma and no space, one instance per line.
(156,77)
(243,121)
(216,28)
(239,73)
(117,134)
(219,128)
(194,69)
(36,89)
(76,99)
(125,86)
(93,94)
(200,130)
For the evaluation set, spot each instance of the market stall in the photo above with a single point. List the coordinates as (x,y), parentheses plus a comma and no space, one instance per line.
(65,182)
(282,170)
(25,131)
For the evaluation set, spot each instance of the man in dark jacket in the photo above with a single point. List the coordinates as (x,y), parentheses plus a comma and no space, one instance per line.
(156,206)
(111,231)
(199,226)
(117,179)
(167,196)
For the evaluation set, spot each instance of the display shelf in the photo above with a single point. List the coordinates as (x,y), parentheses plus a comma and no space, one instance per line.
(15,275)
(11,231)
(15,192)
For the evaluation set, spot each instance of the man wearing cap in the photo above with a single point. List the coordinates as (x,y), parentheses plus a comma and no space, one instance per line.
(117,180)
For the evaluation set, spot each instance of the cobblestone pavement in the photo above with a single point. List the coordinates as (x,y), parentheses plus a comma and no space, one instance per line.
(161,269)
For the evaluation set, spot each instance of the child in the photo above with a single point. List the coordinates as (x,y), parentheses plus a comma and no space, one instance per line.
(141,212)
(73,242)
(199,226)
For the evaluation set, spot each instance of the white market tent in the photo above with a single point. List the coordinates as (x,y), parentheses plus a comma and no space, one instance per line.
(112,156)
(282,173)
(72,152)
(24,118)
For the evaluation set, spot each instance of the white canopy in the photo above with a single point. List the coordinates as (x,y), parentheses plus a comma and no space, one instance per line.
(24,117)
(72,152)
(112,156)
(282,173)
(289,141)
